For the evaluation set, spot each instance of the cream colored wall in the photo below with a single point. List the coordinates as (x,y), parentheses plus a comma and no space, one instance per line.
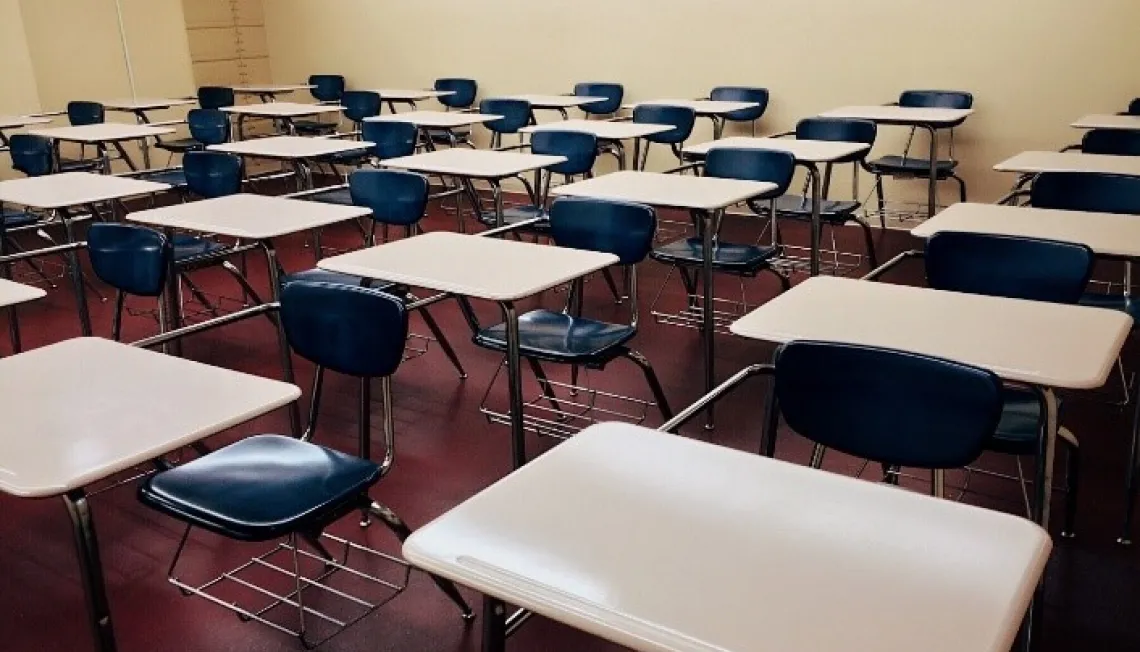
(19,94)
(1033,67)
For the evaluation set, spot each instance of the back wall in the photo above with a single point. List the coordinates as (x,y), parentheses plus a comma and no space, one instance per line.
(1033,68)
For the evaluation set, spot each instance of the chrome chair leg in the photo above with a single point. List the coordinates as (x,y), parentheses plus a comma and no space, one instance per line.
(402,532)
(654,384)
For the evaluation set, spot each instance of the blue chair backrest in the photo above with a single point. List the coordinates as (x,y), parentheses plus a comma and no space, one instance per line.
(394,196)
(837,129)
(1134,107)
(85,113)
(129,258)
(1086,191)
(209,126)
(1116,142)
(619,228)
(215,97)
(463,92)
(750,164)
(742,94)
(212,174)
(1008,266)
(349,329)
(887,406)
(681,118)
(391,138)
(31,155)
(579,148)
(937,99)
(359,105)
(609,90)
(516,114)
(327,88)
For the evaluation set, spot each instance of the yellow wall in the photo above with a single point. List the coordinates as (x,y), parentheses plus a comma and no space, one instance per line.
(1033,67)
(55,51)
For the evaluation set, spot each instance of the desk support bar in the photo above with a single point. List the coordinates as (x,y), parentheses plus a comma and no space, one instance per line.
(163,338)
(891,264)
(715,395)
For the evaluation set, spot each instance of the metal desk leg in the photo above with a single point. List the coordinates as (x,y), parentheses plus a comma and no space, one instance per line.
(90,570)
(140,117)
(14,330)
(170,316)
(241,126)
(76,276)
(494,625)
(283,344)
(514,385)
(816,226)
(708,323)
(636,152)
(718,127)
(497,195)
(1044,476)
(1125,538)
(932,187)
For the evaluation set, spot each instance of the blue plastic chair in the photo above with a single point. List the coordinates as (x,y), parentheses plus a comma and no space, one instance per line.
(516,115)
(580,150)
(212,174)
(207,127)
(834,213)
(1016,268)
(622,229)
(80,114)
(1114,142)
(907,166)
(398,199)
(326,89)
(393,139)
(771,166)
(1134,107)
(681,118)
(743,94)
(609,90)
(887,406)
(31,155)
(463,94)
(215,97)
(132,259)
(358,105)
(269,487)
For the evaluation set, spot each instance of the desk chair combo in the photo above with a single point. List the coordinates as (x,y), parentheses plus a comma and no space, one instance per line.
(207,127)
(685,256)
(613,93)
(326,89)
(274,488)
(215,97)
(461,98)
(390,139)
(835,213)
(750,116)
(33,156)
(906,165)
(396,199)
(567,338)
(681,118)
(581,152)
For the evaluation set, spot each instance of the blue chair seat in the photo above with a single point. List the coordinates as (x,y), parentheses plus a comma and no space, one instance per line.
(919,167)
(174,177)
(78,165)
(13,219)
(181,145)
(313,127)
(556,337)
(318,275)
(356,157)
(516,214)
(263,487)
(727,257)
(799,207)
(340,196)
(1117,302)
(188,247)
(1019,429)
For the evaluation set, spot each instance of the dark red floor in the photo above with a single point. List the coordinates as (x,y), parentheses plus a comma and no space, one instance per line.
(447,452)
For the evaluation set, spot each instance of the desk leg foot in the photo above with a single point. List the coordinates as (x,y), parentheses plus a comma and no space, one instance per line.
(91,570)
(494,625)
